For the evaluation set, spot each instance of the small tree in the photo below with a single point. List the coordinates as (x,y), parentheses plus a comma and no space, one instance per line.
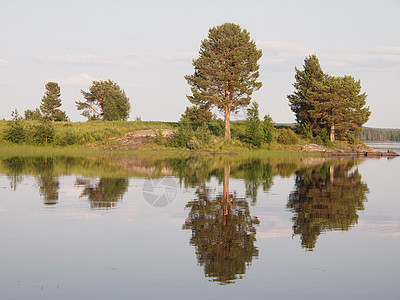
(43,133)
(104,101)
(51,102)
(269,127)
(33,114)
(197,114)
(15,131)
(226,71)
(254,127)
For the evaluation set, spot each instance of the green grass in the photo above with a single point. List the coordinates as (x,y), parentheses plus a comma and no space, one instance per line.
(76,138)
(91,132)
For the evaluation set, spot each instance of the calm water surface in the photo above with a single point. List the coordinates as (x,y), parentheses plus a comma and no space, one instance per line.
(196,228)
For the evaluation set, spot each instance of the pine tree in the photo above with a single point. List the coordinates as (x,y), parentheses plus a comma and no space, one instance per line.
(301,101)
(339,106)
(226,71)
(324,103)
(254,127)
(104,101)
(51,102)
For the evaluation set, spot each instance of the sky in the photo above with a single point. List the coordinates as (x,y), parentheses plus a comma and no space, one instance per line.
(147,48)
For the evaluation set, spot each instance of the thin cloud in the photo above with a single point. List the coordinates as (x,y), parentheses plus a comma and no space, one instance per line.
(277,52)
(374,59)
(179,58)
(282,55)
(89,59)
(78,80)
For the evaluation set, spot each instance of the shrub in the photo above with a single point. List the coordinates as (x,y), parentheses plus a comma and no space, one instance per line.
(254,134)
(317,140)
(65,138)
(43,133)
(15,132)
(181,138)
(217,127)
(33,114)
(186,137)
(269,127)
(324,135)
(159,137)
(287,137)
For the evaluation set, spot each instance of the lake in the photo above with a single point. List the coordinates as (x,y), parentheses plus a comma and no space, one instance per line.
(199,228)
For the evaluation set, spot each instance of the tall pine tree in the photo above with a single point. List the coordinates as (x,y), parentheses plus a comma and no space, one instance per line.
(51,102)
(301,101)
(226,71)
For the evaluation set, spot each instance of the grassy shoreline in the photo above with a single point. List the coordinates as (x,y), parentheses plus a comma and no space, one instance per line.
(8,149)
(94,138)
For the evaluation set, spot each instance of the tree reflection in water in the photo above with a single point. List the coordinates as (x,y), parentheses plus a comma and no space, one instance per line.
(43,170)
(326,198)
(223,233)
(103,192)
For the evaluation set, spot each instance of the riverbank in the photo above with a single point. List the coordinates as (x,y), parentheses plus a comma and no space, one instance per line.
(152,139)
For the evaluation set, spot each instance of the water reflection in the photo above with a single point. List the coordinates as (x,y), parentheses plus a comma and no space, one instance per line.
(14,166)
(326,197)
(223,233)
(103,192)
(42,168)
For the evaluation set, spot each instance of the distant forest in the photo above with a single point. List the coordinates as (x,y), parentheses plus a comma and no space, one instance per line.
(380,135)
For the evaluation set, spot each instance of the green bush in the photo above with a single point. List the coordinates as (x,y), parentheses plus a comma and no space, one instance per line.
(254,134)
(287,137)
(269,128)
(43,133)
(217,128)
(324,135)
(15,132)
(65,138)
(159,138)
(186,137)
(200,139)
(181,138)
(238,130)
(317,140)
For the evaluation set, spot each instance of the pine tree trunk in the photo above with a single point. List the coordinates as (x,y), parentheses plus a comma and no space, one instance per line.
(226,199)
(227,123)
(332,135)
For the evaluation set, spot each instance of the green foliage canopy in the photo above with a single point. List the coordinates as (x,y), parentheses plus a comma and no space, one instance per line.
(197,114)
(50,103)
(327,102)
(226,70)
(104,101)
(254,127)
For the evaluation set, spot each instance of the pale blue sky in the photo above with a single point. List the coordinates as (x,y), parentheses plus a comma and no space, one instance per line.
(147,48)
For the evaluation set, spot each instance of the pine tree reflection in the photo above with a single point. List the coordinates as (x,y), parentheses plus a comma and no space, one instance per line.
(15,165)
(223,233)
(43,169)
(103,193)
(49,184)
(326,198)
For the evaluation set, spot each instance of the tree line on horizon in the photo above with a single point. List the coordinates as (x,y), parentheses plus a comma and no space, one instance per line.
(225,76)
